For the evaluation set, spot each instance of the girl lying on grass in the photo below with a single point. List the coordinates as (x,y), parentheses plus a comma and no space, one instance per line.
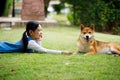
(30,42)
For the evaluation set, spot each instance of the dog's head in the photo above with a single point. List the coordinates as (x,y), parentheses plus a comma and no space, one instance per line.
(87,32)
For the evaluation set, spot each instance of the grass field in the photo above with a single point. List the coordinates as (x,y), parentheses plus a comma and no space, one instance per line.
(39,66)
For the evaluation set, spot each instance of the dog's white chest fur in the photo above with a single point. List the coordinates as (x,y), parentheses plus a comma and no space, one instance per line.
(83,47)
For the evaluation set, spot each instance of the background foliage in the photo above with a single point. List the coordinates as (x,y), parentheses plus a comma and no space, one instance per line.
(105,14)
(5,7)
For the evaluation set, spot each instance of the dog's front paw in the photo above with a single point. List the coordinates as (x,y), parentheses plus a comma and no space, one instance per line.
(66,52)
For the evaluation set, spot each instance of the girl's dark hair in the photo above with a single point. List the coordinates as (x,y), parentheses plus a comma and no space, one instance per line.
(31,25)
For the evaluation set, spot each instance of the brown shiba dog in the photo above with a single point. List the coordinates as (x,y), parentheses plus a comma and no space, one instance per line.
(86,43)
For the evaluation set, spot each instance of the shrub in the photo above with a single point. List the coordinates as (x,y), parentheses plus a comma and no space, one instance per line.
(116,30)
(58,7)
(8,5)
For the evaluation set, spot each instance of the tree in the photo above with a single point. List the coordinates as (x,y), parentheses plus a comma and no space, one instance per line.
(46,3)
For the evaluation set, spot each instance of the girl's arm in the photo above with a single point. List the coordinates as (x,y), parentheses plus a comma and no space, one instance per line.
(32,44)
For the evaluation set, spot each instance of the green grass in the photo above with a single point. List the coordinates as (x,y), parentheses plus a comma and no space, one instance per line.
(38,66)
(60,17)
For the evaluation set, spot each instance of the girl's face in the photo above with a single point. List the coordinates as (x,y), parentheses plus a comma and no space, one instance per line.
(37,34)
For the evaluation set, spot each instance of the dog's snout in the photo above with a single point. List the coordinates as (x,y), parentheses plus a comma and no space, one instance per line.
(87,37)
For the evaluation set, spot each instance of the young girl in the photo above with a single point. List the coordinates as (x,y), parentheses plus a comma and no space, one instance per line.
(30,42)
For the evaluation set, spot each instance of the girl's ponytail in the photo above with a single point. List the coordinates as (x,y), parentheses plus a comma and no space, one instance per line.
(24,41)
(31,25)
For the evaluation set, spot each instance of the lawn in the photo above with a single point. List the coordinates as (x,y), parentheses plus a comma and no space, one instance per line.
(40,66)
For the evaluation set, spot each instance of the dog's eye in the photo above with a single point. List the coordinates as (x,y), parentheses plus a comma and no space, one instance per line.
(84,32)
(89,32)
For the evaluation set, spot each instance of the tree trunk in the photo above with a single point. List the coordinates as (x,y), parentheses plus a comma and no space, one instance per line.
(46,3)
(2,7)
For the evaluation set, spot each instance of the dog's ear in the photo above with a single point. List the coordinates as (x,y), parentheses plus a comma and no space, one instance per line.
(81,27)
(92,26)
